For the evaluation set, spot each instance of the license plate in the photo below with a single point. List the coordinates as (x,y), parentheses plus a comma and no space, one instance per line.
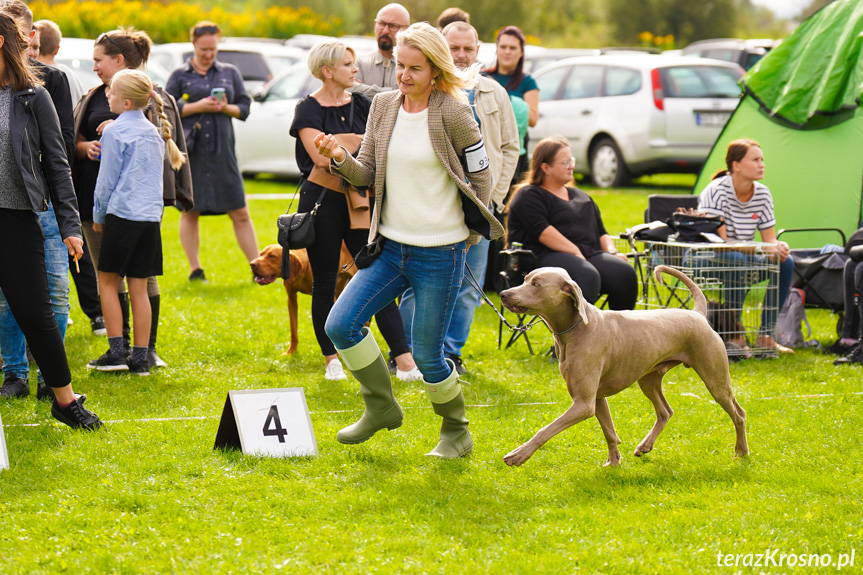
(712,118)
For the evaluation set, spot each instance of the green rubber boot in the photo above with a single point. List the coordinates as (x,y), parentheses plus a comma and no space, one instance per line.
(448,402)
(368,365)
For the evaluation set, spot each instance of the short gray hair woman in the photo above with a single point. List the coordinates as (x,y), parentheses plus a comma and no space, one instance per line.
(327,54)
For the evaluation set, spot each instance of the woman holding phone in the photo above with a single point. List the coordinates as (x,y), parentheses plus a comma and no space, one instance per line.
(210,94)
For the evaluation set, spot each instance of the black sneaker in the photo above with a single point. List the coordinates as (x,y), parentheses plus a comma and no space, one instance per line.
(97,324)
(139,368)
(459,365)
(198,276)
(14,386)
(391,366)
(109,362)
(838,348)
(154,360)
(76,416)
(856,356)
(44,392)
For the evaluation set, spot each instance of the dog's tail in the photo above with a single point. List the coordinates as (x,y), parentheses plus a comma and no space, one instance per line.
(697,295)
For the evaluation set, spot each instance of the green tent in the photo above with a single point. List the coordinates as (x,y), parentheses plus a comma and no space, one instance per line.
(801,102)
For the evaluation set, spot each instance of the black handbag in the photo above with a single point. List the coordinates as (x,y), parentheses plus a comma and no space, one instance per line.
(690,227)
(367,254)
(297,231)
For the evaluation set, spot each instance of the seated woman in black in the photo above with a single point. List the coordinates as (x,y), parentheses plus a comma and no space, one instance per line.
(562,226)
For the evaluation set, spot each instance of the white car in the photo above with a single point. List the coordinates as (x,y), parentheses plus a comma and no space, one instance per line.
(263,141)
(630,115)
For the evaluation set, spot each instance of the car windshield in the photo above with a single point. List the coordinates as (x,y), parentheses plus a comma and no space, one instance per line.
(700,82)
(297,83)
(280,64)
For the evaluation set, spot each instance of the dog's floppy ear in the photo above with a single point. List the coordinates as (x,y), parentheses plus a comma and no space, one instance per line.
(571,289)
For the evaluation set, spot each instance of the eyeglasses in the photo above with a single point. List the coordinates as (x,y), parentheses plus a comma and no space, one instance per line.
(104,36)
(201,30)
(567,163)
(389,26)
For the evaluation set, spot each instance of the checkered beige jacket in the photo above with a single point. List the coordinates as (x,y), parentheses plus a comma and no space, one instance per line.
(452,128)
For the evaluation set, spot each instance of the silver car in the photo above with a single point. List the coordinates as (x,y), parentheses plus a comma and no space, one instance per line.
(263,141)
(631,115)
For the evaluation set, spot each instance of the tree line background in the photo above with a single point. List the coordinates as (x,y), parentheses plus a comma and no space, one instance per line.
(552,23)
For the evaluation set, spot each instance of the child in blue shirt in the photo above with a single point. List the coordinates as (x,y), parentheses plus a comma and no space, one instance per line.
(127,209)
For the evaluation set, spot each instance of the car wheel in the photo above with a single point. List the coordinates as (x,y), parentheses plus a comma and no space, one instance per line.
(607,168)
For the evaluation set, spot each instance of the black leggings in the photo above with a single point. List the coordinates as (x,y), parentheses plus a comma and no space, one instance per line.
(852,324)
(24,282)
(332,226)
(601,273)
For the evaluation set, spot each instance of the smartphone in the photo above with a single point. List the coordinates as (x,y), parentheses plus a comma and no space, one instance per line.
(217,93)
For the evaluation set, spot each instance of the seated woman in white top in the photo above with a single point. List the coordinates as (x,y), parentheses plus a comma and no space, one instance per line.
(747,206)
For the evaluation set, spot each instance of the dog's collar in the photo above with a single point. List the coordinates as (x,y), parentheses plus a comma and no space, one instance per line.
(570,328)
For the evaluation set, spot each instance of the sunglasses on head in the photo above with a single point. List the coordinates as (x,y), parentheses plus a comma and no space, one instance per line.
(104,36)
(201,30)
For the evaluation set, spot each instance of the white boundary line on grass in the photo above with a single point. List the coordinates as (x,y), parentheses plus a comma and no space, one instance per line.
(200,417)
(481,405)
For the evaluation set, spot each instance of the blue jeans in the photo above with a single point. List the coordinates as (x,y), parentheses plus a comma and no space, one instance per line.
(465,304)
(737,284)
(434,273)
(13,346)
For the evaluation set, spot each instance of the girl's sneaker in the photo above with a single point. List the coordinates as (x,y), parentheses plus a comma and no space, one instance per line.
(139,368)
(109,362)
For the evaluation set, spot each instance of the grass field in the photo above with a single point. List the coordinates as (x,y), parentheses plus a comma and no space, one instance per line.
(152,496)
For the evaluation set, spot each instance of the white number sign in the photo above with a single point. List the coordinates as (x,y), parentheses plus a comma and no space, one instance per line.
(270,422)
(4,456)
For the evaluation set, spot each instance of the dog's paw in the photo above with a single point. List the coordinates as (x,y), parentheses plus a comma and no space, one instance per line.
(290,351)
(642,449)
(613,461)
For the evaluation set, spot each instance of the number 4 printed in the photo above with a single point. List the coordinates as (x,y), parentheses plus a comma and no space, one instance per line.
(276,424)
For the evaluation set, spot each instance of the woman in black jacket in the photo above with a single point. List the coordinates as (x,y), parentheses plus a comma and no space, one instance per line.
(34,170)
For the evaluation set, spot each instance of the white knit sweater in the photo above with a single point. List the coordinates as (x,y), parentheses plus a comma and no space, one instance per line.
(422,205)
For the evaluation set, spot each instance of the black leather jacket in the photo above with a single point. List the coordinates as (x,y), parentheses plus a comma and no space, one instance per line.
(40,153)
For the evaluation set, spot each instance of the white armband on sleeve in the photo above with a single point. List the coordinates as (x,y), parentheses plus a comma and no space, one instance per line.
(475,158)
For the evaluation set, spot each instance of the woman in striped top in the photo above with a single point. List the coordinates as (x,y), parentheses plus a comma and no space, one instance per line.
(746,206)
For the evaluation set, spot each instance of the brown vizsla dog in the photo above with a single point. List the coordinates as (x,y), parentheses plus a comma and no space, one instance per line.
(268,266)
(604,352)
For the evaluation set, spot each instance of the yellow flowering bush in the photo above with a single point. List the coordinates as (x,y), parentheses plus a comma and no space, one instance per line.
(168,21)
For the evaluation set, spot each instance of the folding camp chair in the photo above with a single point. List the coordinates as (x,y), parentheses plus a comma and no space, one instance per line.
(660,207)
(819,275)
(517,263)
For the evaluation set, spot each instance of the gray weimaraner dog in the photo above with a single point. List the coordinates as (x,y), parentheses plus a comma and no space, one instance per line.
(604,352)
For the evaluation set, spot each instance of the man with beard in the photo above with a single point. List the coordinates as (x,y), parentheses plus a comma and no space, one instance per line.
(377,71)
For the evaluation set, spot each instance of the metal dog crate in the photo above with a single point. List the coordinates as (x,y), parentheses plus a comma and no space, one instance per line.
(722,282)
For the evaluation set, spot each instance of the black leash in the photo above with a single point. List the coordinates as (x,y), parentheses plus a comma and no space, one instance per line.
(475,285)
